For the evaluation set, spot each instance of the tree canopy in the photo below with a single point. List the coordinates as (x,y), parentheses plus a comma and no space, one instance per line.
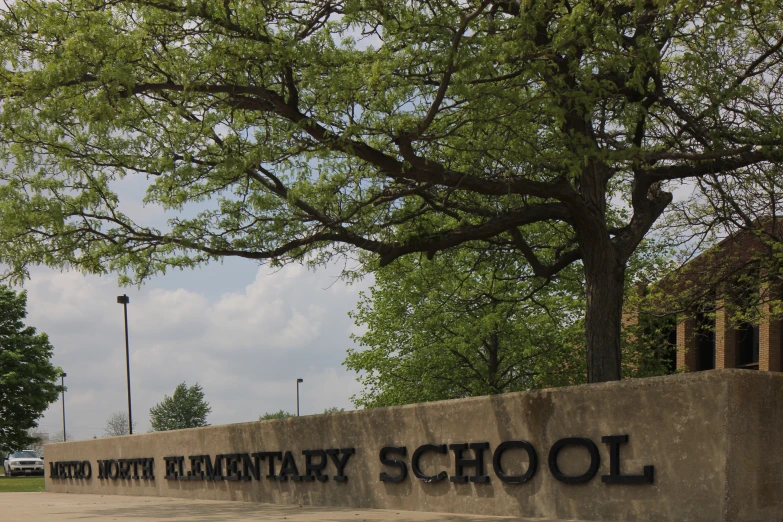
(280,414)
(186,408)
(461,325)
(28,379)
(553,129)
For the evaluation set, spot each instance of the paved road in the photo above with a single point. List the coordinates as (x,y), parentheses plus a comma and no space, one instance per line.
(47,507)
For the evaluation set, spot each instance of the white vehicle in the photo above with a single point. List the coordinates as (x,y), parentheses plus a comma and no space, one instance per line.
(26,462)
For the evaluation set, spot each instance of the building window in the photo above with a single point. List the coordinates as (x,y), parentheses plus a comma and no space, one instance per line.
(705,342)
(748,346)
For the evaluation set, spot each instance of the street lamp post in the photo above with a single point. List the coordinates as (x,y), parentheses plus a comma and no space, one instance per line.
(124,300)
(62,379)
(297,395)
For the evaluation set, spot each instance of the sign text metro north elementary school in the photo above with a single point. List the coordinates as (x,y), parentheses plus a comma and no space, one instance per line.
(469,464)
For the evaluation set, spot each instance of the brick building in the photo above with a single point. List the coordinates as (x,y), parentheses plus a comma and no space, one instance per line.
(727,344)
(712,295)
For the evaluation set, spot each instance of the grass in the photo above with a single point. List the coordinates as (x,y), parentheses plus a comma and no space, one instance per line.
(20,484)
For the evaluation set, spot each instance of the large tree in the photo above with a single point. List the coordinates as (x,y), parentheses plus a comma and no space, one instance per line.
(186,408)
(285,130)
(28,379)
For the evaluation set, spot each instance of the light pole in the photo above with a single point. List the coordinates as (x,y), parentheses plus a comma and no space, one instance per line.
(124,300)
(297,395)
(62,377)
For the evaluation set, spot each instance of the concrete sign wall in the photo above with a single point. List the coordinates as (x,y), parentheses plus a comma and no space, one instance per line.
(694,447)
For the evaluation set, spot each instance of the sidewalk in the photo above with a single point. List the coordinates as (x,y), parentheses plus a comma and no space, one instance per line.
(45,507)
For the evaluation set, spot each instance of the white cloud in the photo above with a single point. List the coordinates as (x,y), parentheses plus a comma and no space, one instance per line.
(245,346)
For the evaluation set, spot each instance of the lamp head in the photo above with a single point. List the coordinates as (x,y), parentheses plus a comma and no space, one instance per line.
(123,299)
(299,380)
(65,374)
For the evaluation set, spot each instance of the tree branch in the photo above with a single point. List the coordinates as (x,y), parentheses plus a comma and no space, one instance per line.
(539,269)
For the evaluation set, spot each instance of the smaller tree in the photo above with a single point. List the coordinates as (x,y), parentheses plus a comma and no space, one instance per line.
(465,324)
(117,425)
(334,409)
(186,408)
(281,414)
(28,379)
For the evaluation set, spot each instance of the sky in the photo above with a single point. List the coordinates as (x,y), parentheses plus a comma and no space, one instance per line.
(244,332)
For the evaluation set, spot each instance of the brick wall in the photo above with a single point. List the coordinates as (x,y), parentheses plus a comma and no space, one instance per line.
(686,343)
(725,337)
(769,332)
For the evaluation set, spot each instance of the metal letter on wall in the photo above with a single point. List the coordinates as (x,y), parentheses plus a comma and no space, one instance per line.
(592,470)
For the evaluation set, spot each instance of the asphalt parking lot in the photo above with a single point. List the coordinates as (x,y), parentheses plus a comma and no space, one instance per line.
(45,507)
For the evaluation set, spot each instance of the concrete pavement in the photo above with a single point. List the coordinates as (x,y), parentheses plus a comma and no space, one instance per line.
(46,507)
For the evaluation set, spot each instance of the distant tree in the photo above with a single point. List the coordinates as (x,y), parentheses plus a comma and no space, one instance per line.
(334,409)
(38,443)
(28,379)
(281,414)
(40,446)
(117,425)
(186,408)
(58,437)
(41,439)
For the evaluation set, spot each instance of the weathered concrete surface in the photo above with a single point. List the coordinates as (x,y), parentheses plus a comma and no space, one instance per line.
(712,437)
(46,507)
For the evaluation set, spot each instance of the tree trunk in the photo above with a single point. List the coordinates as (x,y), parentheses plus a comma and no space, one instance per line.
(604,278)
(493,365)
